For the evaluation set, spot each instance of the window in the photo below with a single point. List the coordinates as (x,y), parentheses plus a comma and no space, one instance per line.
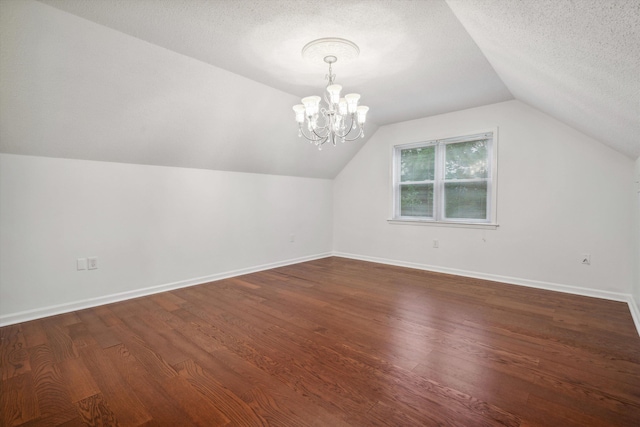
(446,181)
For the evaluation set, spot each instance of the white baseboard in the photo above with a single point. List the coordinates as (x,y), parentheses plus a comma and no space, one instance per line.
(24,316)
(614,296)
(635,311)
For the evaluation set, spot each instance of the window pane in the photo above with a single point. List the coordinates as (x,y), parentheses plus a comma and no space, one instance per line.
(466,200)
(466,160)
(417,164)
(416,200)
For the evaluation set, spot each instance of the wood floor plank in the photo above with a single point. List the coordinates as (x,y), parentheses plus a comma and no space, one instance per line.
(34,333)
(59,340)
(230,405)
(201,410)
(550,413)
(113,389)
(14,358)
(164,409)
(166,302)
(331,342)
(51,390)
(80,382)
(473,379)
(67,417)
(94,411)
(145,354)
(107,316)
(162,346)
(587,399)
(18,401)
(98,329)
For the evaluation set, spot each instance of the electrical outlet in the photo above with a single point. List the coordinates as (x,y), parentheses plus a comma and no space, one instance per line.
(292,238)
(436,244)
(92,263)
(586,259)
(81,263)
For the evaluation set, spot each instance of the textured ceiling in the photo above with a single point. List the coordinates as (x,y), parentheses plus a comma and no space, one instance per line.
(144,93)
(578,61)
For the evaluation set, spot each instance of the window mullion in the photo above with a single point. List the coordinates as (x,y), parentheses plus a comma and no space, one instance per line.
(439,182)
(426,181)
(396,183)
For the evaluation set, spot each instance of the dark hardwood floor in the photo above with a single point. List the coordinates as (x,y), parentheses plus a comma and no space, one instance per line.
(332,342)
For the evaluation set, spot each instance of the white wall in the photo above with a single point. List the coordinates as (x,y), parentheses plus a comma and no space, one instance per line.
(560,194)
(149,226)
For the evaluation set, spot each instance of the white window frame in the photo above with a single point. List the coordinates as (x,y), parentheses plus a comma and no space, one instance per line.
(438,218)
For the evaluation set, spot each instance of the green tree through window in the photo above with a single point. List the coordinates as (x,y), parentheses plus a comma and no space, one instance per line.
(465,184)
(417,177)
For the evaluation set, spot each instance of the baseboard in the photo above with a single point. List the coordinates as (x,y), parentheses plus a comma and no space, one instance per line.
(24,316)
(614,296)
(635,312)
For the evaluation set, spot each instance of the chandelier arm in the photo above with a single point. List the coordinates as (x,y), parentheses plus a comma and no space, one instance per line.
(359,127)
(320,137)
(328,122)
(325,114)
(351,127)
(314,136)
(319,130)
(302,133)
(360,132)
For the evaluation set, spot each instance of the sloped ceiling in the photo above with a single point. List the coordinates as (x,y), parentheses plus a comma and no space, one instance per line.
(210,84)
(578,61)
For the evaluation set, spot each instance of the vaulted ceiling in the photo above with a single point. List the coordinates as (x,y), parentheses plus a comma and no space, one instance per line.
(210,84)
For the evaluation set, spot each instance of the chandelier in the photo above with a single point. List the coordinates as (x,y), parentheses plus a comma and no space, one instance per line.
(330,118)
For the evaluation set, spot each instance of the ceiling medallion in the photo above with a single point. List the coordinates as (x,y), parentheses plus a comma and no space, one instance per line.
(333,118)
(317,50)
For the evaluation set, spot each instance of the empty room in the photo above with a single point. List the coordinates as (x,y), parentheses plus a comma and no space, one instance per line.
(320,213)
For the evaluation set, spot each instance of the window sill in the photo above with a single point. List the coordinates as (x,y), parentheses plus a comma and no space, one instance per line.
(481,225)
